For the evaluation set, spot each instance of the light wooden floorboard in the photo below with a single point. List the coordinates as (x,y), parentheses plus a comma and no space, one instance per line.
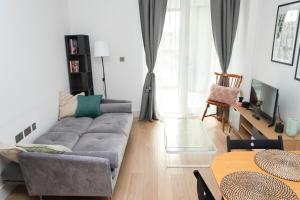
(144,176)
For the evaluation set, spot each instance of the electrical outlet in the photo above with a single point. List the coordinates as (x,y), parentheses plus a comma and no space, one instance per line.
(27,131)
(122,59)
(19,137)
(33,126)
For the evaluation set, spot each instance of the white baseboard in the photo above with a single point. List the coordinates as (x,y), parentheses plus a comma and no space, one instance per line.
(5,191)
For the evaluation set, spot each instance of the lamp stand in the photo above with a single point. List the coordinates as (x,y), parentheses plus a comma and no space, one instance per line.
(103,79)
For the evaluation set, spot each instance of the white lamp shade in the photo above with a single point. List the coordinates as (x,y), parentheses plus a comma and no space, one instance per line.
(101,49)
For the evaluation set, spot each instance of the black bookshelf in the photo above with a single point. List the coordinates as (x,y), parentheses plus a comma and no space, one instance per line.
(79,64)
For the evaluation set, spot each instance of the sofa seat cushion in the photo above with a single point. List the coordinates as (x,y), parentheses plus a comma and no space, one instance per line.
(104,145)
(72,125)
(58,138)
(112,123)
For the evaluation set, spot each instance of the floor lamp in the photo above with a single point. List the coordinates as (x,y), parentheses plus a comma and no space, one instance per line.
(101,50)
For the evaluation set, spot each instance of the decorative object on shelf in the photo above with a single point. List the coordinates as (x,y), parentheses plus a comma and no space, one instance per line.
(279,127)
(252,186)
(246,104)
(282,164)
(286,32)
(241,99)
(73,46)
(101,50)
(74,66)
(79,64)
(292,127)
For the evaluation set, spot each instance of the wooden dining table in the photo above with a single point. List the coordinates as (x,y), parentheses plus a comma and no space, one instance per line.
(236,161)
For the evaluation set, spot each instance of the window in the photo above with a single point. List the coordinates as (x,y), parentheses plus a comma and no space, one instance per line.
(186,58)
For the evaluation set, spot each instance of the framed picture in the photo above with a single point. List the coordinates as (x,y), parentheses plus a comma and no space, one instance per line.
(297,73)
(286,31)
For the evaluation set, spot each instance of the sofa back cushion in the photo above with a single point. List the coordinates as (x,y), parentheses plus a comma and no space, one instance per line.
(115,108)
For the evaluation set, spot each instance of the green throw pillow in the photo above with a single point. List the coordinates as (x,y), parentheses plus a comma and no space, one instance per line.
(44,148)
(88,106)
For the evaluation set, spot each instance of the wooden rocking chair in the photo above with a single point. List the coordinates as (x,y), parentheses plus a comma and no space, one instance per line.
(227,80)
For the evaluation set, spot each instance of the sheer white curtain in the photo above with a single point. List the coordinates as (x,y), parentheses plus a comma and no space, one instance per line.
(186,58)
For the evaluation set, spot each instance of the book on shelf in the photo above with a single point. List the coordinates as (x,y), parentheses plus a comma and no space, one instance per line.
(74,66)
(73,46)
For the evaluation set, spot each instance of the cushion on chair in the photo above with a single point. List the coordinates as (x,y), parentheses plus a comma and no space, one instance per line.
(223,94)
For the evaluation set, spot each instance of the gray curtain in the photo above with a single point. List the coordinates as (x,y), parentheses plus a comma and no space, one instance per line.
(152,15)
(224,18)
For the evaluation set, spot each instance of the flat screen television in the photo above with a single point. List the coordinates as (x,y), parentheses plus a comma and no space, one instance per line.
(263,100)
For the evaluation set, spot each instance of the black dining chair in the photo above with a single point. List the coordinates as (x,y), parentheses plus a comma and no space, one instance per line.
(254,144)
(203,191)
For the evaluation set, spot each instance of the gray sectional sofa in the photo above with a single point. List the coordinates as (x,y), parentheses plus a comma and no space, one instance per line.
(91,169)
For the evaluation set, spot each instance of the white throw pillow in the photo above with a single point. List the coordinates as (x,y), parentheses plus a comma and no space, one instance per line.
(10,152)
(67,104)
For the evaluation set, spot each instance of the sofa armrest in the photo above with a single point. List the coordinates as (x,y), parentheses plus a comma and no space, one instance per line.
(111,156)
(116,108)
(65,175)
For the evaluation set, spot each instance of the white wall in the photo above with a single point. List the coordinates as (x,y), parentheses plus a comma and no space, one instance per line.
(277,75)
(117,23)
(33,66)
(242,53)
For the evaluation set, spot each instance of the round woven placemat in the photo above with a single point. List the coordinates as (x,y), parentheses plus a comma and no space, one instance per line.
(254,186)
(283,164)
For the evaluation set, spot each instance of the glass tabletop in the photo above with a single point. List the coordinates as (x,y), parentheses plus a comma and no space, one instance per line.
(185,135)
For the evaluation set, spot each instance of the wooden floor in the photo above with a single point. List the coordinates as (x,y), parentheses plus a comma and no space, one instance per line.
(144,175)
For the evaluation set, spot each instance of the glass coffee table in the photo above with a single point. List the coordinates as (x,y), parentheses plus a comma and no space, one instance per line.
(187,143)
